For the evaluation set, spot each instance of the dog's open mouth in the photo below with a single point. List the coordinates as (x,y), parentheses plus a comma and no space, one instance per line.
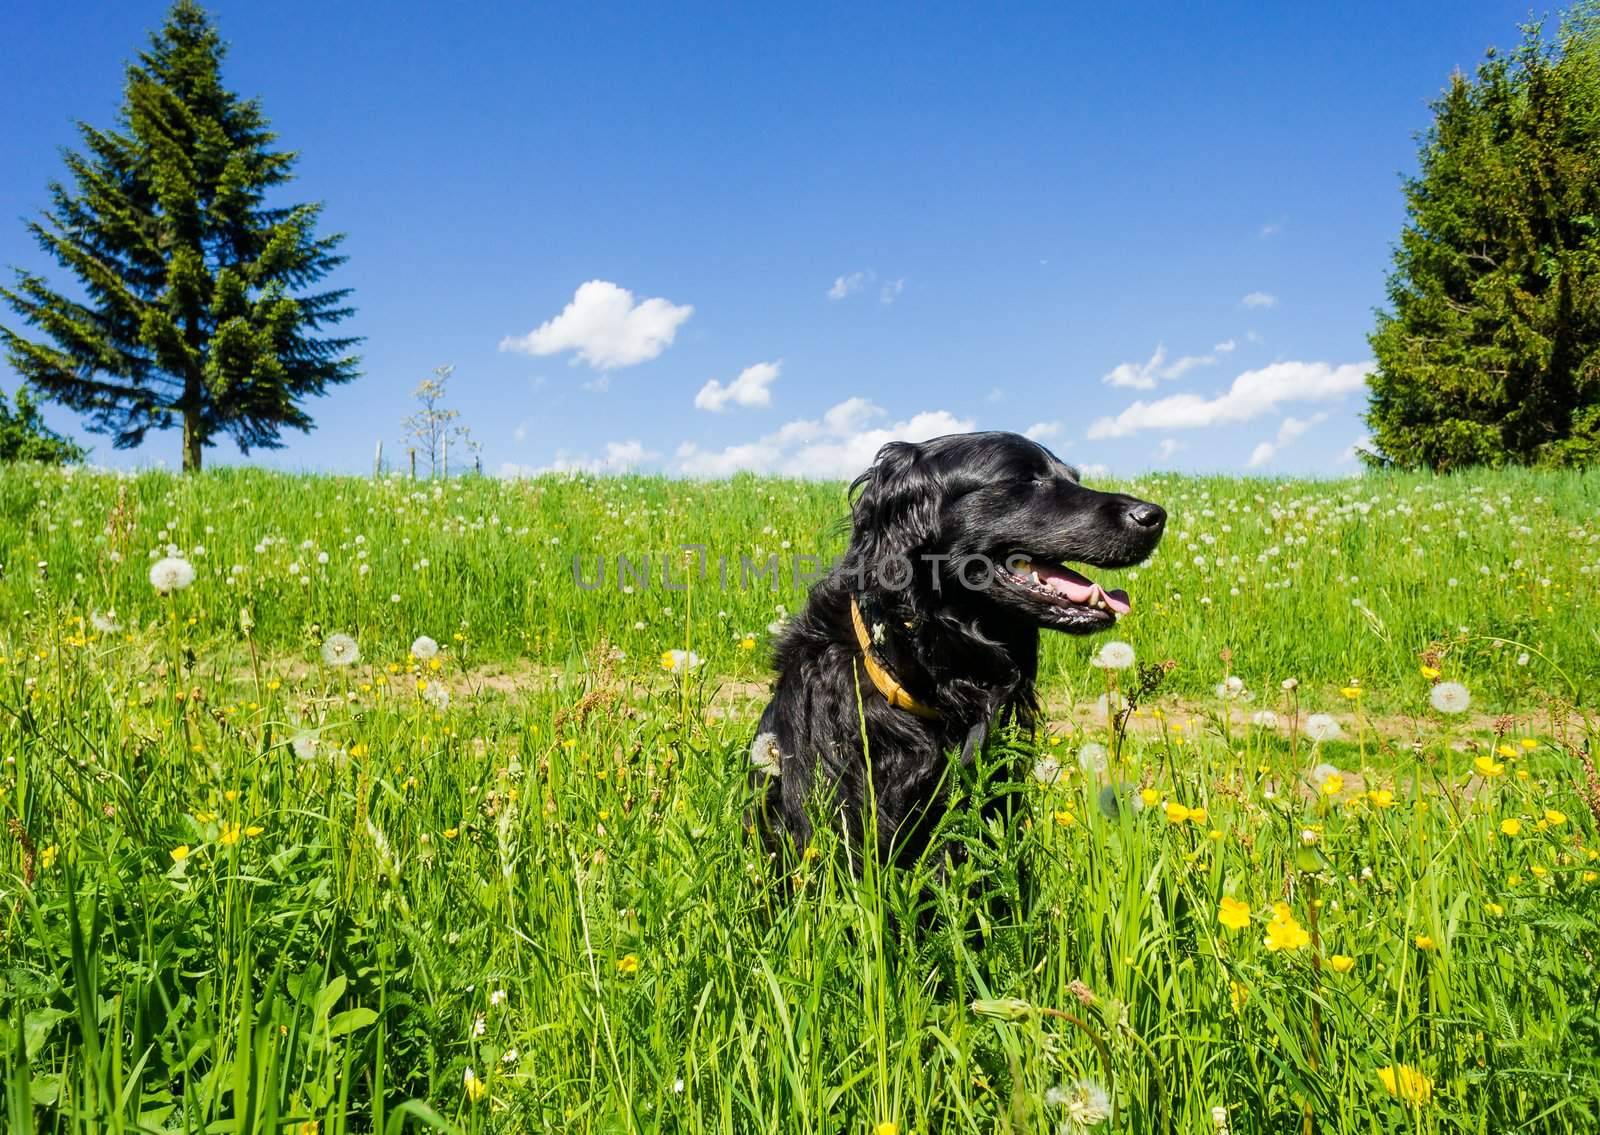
(1061,587)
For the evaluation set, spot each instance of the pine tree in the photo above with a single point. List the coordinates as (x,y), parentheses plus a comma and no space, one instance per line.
(1491,353)
(193,308)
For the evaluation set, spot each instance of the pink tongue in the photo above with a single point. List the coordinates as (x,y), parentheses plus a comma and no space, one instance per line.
(1080,589)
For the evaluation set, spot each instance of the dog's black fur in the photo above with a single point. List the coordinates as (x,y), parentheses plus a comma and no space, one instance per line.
(969,652)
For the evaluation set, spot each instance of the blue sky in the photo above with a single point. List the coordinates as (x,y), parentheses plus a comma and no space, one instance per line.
(699,239)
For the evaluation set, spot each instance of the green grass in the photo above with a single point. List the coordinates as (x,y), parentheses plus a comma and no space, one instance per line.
(243,890)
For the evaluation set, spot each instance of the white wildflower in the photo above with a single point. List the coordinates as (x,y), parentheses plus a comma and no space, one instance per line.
(1093,758)
(1113,656)
(1450,697)
(1265,719)
(765,755)
(424,648)
(171,574)
(1047,770)
(340,650)
(1322,727)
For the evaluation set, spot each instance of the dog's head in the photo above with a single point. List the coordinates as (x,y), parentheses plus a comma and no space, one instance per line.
(993,519)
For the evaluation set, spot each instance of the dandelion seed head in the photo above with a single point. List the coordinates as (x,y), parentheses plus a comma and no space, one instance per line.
(1449,697)
(340,650)
(172,573)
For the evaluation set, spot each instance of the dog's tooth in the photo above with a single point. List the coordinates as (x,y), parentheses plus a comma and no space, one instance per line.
(1034,576)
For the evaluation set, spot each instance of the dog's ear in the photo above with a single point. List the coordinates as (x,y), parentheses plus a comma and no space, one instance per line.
(895,509)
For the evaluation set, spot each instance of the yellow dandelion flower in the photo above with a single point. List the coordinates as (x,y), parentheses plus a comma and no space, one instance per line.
(1424,942)
(747,643)
(1332,784)
(1538,871)
(1238,993)
(1406,1084)
(1511,827)
(1590,876)
(47,857)
(887,1127)
(1381,798)
(1494,909)
(1554,818)
(627,965)
(1528,743)
(1341,963)
(230,835)
(1176,813)
(254,830)
(1232,913)
(1150,797)
(1505,750)
(475,1088)
(1065,818)
(180,853)
(1350,692)
(1429,672)
(1488,766)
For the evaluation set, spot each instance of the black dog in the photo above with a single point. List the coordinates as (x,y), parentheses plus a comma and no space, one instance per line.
(928,630)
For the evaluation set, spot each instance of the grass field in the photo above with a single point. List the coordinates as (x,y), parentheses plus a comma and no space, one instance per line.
(261,878)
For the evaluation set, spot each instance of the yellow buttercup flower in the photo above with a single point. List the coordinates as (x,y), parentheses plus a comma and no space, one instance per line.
(1381,798)
(1488,766)
(1505,750)
(1283,932)
(1232,913)
(1351,692)
(1176,813)
(1511,827)
(1494,909)
(180,853)
(627,965)
(1064,818)
(1429,672)
(1332,784)
(476,1089)
(1528,743)
(1424,942)
(1149,796)
(1406,1084)
(229,836)
(1341,963)
(887,1127)
(1554,818)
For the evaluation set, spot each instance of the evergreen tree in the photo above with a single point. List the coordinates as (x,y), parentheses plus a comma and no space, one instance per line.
(193,309)
(1491,354)
(25,437)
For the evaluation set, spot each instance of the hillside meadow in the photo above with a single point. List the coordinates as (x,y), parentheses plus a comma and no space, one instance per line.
(351,804)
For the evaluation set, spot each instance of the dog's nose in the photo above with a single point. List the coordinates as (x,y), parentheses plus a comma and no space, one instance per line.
(1148,515)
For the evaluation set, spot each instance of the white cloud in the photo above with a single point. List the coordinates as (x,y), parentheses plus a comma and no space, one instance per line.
(620,456)
(605,327)
(892,289)
(1253,393)
(1288,429)
(1224,347)
(753,387)
(1042,431)
(836,446)
(848,285)
(1094,469)
(847,417)
(1144,376)
(1167,447)
(1260,299)
(1350,454)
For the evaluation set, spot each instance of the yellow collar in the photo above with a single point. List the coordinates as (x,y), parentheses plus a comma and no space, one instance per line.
(896,694)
